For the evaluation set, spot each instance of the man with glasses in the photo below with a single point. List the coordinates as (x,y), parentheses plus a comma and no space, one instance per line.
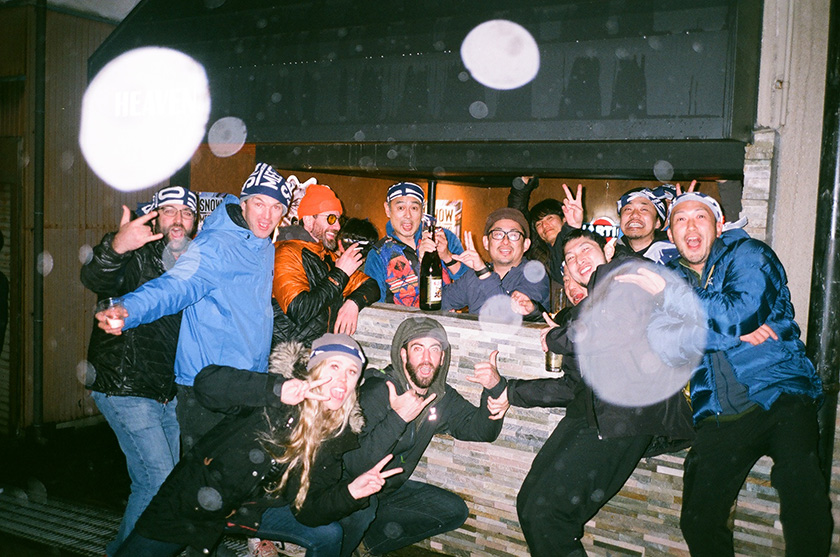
(132,376)
(316,290)
(508,274)
(395,260)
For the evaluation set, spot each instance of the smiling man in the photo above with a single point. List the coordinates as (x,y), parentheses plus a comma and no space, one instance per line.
(318,291)
(405,405)
(135,372)
(394,262)
(750,397)
(222,282)
(509,273)
(641,214)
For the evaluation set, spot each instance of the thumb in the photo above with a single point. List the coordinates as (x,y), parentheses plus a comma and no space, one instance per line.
(392,392)
(493,355)
(126,216)
(548,320)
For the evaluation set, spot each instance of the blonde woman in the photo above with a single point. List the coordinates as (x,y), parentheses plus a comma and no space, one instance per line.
(279,448)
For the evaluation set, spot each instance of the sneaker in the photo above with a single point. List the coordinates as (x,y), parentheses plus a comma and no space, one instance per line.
(262,548)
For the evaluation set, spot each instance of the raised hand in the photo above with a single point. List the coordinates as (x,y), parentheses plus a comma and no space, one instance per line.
(690,187)
(573,206)
(486,373)
(350,260)
(469,256)
(295,391)
(498,407)
(134,234)
(409,404)
(372,481)
(646,279)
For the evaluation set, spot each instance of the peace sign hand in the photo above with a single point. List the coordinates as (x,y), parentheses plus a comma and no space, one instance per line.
(294,391)
(372,481)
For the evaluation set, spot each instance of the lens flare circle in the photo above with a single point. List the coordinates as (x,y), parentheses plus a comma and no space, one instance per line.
(501,54)
(143,117)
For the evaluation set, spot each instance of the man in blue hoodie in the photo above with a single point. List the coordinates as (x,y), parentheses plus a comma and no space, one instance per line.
(394,262)
(223,285)
(752,395)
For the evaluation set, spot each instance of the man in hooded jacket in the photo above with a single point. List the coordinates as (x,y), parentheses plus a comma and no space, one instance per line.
(405,405)
(223,285)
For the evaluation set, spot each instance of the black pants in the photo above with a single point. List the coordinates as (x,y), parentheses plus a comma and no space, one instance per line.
(572,477)
(724,453)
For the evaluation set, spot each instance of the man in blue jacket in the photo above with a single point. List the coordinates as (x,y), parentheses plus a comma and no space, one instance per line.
(223,285)
(750,398)
(394,262)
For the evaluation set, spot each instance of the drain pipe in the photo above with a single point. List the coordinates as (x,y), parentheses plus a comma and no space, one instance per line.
(824,311)
(38,149)
(430,197)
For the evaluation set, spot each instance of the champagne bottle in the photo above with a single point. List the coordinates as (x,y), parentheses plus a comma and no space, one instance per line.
(554,362)
(431,279)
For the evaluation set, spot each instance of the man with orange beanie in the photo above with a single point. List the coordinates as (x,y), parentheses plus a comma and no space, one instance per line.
(317,291)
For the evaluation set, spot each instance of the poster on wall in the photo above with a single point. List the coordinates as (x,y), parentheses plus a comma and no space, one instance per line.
(448,215)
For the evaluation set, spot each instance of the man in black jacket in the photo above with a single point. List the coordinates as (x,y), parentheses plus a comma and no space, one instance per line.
(597,445)
(404,406)
(131,376)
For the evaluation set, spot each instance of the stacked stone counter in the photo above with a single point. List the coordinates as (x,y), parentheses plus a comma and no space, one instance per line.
(643,519)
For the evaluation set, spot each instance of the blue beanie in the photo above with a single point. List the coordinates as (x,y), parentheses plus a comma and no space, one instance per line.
(264,180)
(405,188)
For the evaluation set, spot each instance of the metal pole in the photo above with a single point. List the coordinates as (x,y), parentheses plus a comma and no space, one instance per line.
(38,218)
(824,316)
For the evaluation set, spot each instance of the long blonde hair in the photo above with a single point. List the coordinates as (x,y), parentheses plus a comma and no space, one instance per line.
(316,423)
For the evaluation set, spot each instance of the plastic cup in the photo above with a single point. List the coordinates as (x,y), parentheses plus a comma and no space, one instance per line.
(108,304)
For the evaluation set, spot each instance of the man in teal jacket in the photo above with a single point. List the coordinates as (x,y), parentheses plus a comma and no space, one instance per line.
(223,285)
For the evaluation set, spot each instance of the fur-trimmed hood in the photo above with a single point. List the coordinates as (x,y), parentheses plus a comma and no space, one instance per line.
(289,359)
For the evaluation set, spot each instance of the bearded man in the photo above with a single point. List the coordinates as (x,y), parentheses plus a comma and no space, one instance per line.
(405,405)
(132,376)
(316,290)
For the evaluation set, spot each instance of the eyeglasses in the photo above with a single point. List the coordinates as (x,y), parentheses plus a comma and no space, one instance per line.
(513,235)
(331,218)
(169,211)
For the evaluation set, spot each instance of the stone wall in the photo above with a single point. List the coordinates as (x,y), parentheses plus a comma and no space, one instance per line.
(643,519)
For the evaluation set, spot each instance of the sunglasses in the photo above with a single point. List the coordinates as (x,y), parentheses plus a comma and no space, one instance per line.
(331,219)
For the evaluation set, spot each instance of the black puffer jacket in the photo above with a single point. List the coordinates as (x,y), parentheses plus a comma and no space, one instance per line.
(668,421)
(224,477)
(140,361)
(310,290)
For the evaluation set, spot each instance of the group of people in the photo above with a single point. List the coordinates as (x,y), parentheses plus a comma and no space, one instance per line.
(237,353)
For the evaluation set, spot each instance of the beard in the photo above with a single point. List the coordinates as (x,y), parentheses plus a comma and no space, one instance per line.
(422,382)
(175,245)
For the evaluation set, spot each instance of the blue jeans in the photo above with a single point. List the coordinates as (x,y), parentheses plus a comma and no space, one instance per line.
(279,524)
(414,512)
(147,432)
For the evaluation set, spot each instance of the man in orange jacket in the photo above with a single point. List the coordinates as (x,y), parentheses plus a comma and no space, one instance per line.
(318,291)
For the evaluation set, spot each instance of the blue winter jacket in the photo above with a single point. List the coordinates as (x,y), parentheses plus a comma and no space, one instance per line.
(223,284)
(743,286)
